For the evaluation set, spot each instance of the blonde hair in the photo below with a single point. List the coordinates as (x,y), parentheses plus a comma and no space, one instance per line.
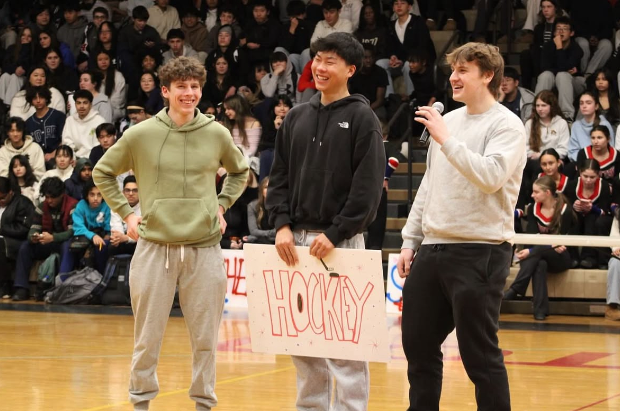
(486,57)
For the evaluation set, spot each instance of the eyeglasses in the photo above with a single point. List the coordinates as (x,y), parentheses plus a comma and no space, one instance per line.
(131,190)
(562,29)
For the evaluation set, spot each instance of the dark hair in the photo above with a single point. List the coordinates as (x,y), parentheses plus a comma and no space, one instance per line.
(547,183)
(41,91)
(550,152)
(345,45)
(261,3)
(102,10)
(331,5)
(39,51)
(277,56)
(547,97)
(511,72)
(88,185)
(369,47)
(129,179)
(602,129)
(151,53)
(190,12)
(29,177)
(64,149)
(379,17)
(175,34)
(140,13)
(107,127)
(20,125)
(18,44)
(226,8)
(95,77)
(38,9)
(108,74)
(295,8)
(5,185)
(38,67)
(83,94)
(242,113)
(53,187)
(597,112)
(418,55)
(563,20)
(261,210)
(589,164)
(613,113)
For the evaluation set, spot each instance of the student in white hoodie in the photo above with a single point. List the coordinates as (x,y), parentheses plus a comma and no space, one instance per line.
(460,229)
(17,142)
(79,131)
(91,81)
(63,170)
(282,79)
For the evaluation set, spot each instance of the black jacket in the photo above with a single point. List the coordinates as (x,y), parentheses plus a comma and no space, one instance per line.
(17,218)
(417,36)
(592,18)
(328,168)
(298,42)
(555,60)
(601,197)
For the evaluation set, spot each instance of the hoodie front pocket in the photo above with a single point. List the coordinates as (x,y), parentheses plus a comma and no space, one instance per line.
(178,220)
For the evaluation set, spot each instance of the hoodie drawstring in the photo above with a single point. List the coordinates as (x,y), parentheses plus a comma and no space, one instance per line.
(159,154)
(168,255)
(318,112)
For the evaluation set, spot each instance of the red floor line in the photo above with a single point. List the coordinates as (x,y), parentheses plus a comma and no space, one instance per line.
(597,403)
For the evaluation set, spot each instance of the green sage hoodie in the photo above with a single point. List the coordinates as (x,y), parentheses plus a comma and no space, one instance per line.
(175,169)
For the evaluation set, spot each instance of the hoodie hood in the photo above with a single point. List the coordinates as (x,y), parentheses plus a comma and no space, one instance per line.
(234,42)
(100,98)
(14,151)
(289,64)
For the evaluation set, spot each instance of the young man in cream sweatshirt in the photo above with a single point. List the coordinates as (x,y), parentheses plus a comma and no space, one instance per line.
(459,229)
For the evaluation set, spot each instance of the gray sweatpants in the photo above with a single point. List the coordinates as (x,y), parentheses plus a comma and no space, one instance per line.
(155,272)
(316,377)
(568,87)
(613,281)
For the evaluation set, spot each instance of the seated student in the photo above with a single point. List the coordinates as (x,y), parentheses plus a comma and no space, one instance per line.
(106,135)
(332,22)
(15,223)
(421,75)
(602,151)
(603,84)
(227,17)
(51,227)
(63,168)
(594,27)
(262,32)
(245,129)
(590,197)
(178,48)
(163,17)
(546,128)
(612,311)
(17,59)
(236,216)
(561,66)
(590,117)
(278,109)
(91,219)
(220,83)
(91,81)
(46,124)
(196,34)
(258,218)
(37,77)
(82,174)
(79,131)
(135,115)
(149,95)
(113,84)
(120,243)
(282,78)
(296,33)
(371,82)
(22,177)
(17,143)
(551,163)
(550,214)
(517,99)
(305,84)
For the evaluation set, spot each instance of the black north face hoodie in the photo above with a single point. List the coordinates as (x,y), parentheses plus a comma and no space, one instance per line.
(328,168)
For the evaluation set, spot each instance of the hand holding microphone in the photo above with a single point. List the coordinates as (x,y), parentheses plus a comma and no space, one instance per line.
(434,126)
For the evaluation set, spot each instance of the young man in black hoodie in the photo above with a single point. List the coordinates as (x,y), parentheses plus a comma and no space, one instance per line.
(324,190)
(15,223)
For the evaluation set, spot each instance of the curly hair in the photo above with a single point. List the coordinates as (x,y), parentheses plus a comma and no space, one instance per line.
(182,68)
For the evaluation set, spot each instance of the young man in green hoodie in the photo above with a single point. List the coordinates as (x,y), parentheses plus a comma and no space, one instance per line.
(175,157)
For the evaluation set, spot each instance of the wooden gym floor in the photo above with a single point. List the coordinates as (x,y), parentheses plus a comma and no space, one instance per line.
(77,358)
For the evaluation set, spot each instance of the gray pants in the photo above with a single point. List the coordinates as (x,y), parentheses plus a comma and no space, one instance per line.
(613,281)
(568,87)
(316,377)
(155,272)
(385,64)
(599,58)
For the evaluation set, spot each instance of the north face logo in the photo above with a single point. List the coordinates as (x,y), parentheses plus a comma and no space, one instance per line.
(344,124)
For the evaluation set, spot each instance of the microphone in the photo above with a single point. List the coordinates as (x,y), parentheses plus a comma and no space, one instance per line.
(425,134)
(392,164)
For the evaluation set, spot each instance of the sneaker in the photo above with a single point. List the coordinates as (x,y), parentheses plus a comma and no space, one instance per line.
(430,23)
(450,25)
(540,317)
(612,314)
(6,291)
(510,294)
(588,263)
(21,294)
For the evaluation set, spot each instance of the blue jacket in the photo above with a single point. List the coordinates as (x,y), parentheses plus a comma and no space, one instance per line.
(87,219)
(580,136)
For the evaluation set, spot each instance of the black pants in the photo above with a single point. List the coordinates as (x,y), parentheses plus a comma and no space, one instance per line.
(593,224)
(543,260)
(456,285)
(7,266)
(376,229)
(122,248)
